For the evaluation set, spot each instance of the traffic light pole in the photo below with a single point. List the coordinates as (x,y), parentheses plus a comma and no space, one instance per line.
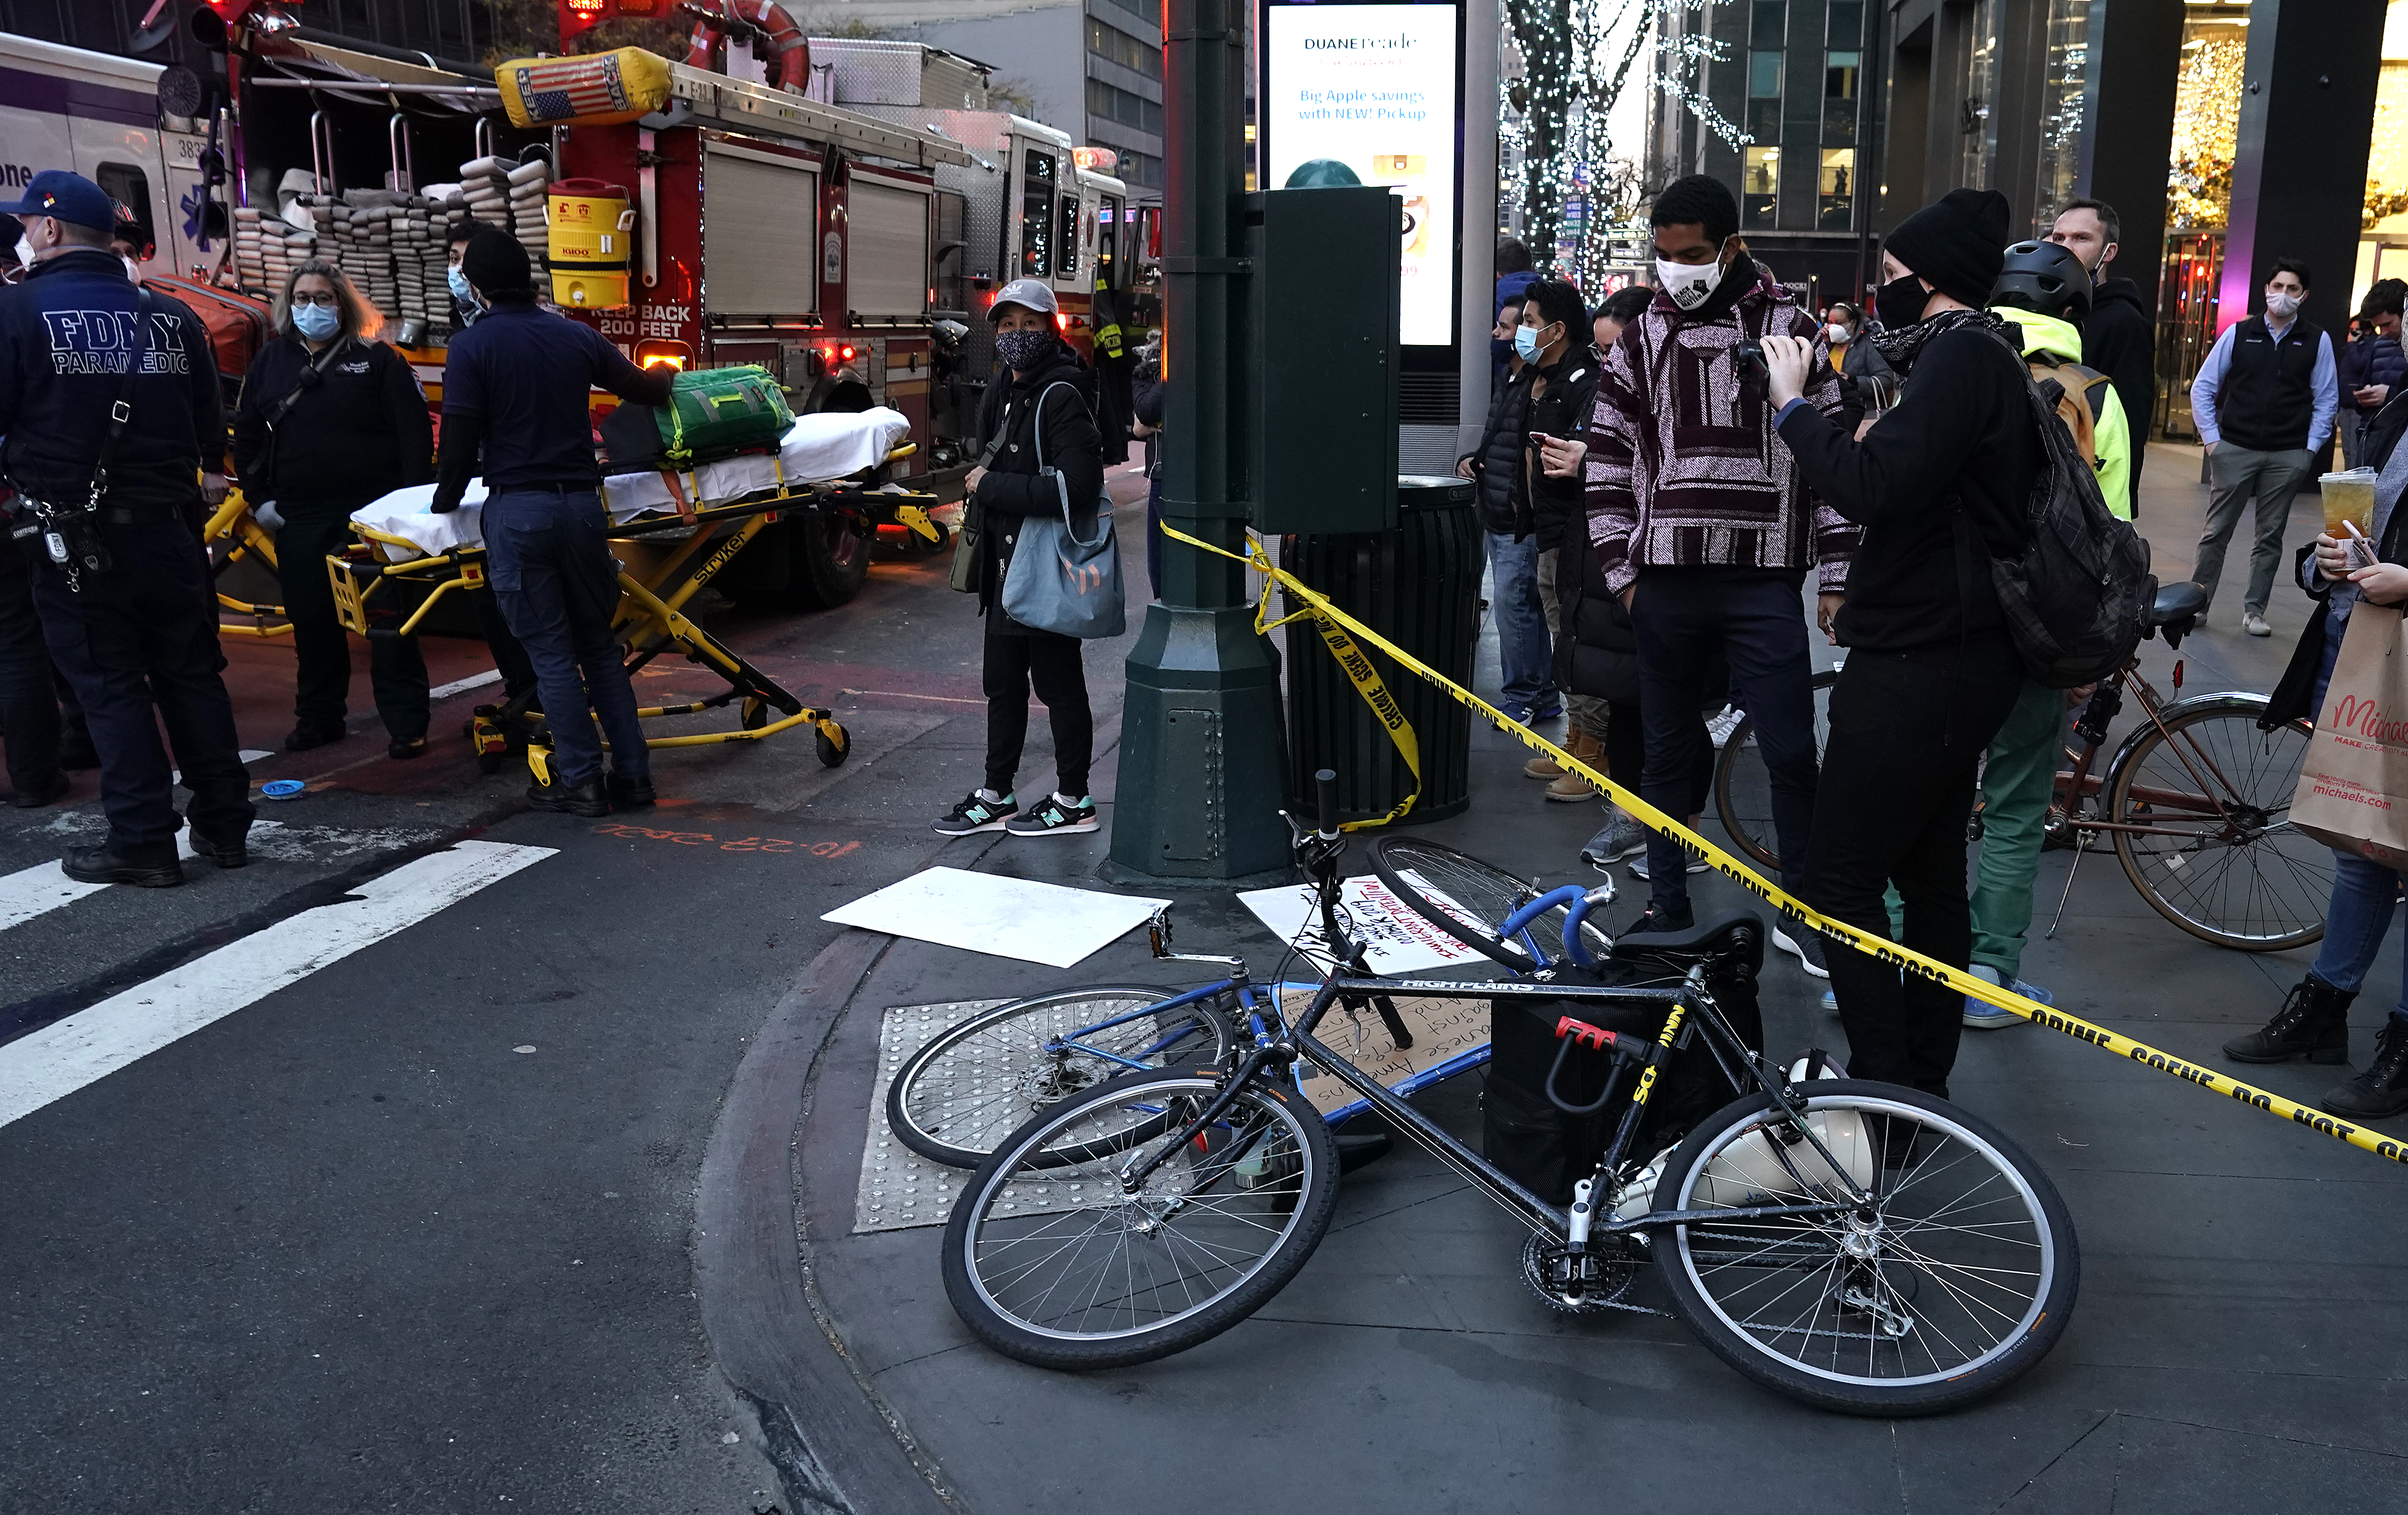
(1201,734)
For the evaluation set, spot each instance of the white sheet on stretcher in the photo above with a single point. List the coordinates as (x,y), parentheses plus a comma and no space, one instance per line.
(815,449)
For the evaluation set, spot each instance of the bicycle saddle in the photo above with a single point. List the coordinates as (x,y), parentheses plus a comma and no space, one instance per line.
(2175,611)
(1735,940)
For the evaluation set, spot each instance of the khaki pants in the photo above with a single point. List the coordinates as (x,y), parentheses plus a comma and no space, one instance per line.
(1586,712)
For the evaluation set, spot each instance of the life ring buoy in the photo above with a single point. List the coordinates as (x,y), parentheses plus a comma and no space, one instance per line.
(766,19)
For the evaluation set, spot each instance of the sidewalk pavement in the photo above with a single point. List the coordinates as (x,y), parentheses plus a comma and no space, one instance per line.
(2235,1342)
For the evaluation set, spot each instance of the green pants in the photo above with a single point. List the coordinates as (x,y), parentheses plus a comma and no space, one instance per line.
(2015,788)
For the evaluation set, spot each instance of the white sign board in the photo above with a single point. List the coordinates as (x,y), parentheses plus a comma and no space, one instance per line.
(1374,87)
(1008,918)
(1396,939)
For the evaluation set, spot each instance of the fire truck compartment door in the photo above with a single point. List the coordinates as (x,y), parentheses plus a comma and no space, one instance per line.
(890,249)
(760,223)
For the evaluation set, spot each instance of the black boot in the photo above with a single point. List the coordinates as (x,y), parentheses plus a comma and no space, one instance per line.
(2313,1023)
(631,793)
(587,799)
(2383,1088)
(98,865)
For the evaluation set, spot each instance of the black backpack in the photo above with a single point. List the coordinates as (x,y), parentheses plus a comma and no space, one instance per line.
(2077,596)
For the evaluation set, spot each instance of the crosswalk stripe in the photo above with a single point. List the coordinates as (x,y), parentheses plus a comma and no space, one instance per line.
(53,1063)
(45,887)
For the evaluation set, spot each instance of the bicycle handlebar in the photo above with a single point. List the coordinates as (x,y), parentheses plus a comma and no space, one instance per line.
(1325,784)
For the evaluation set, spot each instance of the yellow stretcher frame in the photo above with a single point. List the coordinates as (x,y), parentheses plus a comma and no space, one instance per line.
(649,620)
(232,523)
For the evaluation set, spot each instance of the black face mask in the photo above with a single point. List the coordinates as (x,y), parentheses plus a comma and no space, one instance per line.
(1901,302)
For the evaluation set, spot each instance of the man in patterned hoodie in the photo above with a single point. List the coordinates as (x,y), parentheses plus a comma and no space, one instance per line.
(1699,521)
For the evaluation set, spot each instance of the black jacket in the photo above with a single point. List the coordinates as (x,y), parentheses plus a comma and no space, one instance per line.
(2119,339)
(2295,691)
(1145,402)
(1563,411)
(66,334)
(1864,375)
(1012,489)
(357,431)
(1597,654)
(1960,443)
(1497,460)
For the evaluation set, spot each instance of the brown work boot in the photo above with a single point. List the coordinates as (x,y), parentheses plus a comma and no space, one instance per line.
(1541,766)
(1572,787)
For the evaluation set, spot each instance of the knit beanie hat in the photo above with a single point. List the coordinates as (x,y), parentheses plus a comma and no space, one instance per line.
(497,265)
(1958,242)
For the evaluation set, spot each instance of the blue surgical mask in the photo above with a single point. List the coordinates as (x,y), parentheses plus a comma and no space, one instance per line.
(1526,343)
(316,321)
(459,282)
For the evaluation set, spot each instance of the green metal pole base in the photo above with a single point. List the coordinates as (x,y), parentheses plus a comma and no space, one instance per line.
(1202,745)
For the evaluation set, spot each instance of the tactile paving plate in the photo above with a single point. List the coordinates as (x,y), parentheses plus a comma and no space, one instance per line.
(899,1188)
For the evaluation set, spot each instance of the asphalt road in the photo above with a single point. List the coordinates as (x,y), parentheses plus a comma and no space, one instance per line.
(413,1228)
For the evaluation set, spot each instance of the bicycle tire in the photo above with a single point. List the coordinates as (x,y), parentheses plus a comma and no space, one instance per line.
(2192,882)
(1431,877)
(929,1077)
(1000,1295)
(1880,1300)
(1744,789)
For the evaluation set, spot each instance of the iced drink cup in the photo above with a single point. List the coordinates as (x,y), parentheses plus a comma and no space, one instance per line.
(2348,496)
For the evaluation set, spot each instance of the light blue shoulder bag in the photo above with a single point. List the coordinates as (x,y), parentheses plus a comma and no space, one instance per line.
(1056,582)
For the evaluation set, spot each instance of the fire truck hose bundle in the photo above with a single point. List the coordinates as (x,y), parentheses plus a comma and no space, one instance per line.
(1366,684)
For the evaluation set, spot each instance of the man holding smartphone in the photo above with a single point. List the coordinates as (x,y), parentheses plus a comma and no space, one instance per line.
(1555,330)
(1700,522)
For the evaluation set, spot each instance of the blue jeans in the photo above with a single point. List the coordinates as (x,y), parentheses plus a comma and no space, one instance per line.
(2356,921)
(1523,650)
(558,588)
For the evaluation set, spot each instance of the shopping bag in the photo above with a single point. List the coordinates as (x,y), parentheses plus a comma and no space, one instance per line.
(2352,790)
(1057,583)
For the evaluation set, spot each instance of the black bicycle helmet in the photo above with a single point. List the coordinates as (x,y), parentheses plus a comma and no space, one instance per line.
(2045,278)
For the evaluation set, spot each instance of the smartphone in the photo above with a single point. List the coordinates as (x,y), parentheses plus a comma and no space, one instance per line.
(2361,552)
(1539,439)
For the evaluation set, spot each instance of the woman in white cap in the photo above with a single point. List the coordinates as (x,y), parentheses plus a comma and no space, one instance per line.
(1038,414)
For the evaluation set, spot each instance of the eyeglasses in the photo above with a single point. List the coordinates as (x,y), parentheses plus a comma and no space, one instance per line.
(327,298)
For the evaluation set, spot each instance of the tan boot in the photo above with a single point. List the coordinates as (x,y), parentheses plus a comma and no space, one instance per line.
(1541,766)
(1572,787)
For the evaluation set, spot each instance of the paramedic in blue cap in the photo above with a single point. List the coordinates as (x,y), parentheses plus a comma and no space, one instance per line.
(514,411)
(109,407)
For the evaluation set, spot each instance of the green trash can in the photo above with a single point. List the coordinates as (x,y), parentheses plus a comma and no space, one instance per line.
(1418,586)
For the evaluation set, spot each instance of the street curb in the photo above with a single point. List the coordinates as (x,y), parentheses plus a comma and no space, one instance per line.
(836,1447)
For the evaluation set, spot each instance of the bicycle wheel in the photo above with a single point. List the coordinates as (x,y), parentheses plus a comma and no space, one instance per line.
(2221,859)
(1070,1268)
(1743,785)
(1467,899)
(973,1083)
(1950,1285)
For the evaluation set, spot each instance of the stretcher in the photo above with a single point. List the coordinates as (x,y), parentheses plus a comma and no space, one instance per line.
(683,528)
(232,534)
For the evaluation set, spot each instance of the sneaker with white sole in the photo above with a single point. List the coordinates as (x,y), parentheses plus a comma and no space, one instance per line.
(1057,816)
(982,810)
(1720,725)
(1983,1015)
(1638,864)
(1621,838)
(2255,625)
(1806,947)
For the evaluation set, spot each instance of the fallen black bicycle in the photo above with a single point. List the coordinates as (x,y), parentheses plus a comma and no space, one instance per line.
(1858,1246)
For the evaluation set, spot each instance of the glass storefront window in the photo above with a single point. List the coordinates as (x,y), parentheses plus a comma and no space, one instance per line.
(1835,189)
(2064,80)
(1764,96)
(1978,117)
(2207,119)
(1759,186)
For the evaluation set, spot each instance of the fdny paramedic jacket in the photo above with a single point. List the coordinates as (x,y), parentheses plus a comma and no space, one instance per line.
(66,335)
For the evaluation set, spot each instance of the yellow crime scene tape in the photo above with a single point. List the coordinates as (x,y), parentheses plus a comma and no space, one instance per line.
(1340,632)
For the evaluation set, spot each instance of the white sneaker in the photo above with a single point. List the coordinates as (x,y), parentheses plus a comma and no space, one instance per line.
(1720,725)
(2255,625)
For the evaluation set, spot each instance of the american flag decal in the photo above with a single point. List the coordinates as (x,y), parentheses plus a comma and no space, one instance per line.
(560,89)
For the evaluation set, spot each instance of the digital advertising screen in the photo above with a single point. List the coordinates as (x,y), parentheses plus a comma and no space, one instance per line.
(1374,87)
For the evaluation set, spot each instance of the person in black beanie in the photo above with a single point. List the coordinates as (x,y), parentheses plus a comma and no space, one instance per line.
(1939,484)
(514,389)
